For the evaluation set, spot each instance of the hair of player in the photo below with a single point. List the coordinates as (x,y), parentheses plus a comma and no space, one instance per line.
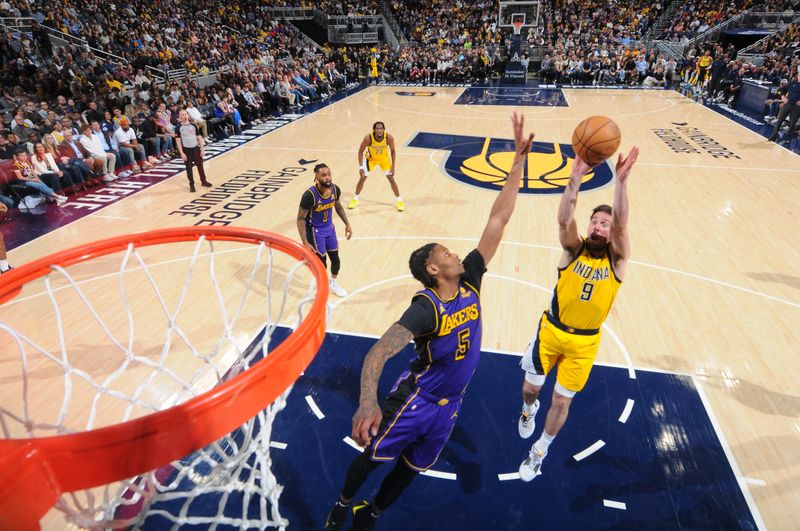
(376,125)
(602,208)
(418,263)
(319,167)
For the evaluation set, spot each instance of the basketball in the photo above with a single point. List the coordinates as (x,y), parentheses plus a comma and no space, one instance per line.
(595,139)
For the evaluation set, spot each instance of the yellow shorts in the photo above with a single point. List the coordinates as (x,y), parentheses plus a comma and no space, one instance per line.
(385,164)
(573,353)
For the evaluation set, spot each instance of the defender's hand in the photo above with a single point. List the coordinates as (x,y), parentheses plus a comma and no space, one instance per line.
(366,422)
(522,144)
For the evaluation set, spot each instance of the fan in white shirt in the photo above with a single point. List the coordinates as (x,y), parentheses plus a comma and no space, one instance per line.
(197,118)
(95,149)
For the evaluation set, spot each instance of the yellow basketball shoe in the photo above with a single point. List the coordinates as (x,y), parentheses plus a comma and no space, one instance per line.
(400,206)
(352,204)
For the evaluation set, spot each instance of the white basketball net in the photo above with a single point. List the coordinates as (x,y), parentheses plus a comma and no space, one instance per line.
(233,474)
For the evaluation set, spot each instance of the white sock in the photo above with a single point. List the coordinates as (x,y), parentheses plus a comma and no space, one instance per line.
(4,265)
(355,197)
(544,442)
(399,198)
(333,282)
(530,409)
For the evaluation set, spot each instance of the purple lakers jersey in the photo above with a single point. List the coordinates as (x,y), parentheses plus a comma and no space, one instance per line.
(448,357)
(320,213)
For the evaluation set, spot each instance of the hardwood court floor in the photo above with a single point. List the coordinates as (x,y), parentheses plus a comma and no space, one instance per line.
(713,289)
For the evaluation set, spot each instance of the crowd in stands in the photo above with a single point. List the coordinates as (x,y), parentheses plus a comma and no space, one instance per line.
(449,41)
(72,119)
(778,44)
(75,116)
(698,16)
(595,43)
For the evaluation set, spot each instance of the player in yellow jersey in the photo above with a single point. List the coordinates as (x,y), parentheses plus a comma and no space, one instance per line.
(590,272)
(700,75)
(375,151)
(373,65)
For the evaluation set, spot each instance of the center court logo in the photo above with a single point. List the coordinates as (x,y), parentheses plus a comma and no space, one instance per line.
(485,162)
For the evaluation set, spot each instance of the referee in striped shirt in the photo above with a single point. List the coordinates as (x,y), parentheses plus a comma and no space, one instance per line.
(190,146)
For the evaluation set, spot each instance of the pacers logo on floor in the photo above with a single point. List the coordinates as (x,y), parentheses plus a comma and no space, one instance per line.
(486,161)
(416,93)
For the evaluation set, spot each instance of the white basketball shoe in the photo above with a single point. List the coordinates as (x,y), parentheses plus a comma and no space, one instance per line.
(532,466)
(336,289)
(527,421)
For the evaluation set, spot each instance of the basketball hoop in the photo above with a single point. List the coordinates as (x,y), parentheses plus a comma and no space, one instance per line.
(220,384)
(517,25)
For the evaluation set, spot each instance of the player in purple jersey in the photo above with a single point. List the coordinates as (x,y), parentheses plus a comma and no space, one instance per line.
(315,222)
(444,319)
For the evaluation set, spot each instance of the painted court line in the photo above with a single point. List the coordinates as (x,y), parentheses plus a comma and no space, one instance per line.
(313,405)
(102,216)
(351,443)
(589,451)
(751,504)
(508,477)
(440,475)
(278,445)
(710,166)
(515,354)
(430,473)
(614,504)
(756,482)
(558,249)
(623,418)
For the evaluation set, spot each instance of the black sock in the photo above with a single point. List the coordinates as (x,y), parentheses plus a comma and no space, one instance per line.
(359,469)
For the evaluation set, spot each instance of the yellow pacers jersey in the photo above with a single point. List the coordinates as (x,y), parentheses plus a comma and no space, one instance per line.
(378,151)
(373,66)
(585,291)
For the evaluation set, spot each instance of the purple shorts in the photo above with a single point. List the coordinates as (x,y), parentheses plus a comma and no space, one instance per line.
(323,239)
(414,427)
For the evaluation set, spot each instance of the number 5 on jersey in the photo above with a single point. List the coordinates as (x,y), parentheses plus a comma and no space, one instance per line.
(463,344)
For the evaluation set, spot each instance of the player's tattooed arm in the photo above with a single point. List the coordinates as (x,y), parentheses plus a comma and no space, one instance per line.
(301,228)
(392,342)
(368,416)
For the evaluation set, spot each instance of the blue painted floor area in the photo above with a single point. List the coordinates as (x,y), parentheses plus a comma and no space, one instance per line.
(530,96)
(665,463)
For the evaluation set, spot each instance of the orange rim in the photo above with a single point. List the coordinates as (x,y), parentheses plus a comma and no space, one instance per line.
(34,472)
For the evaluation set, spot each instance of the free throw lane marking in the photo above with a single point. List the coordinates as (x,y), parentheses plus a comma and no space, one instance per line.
(314,407)
(589,451)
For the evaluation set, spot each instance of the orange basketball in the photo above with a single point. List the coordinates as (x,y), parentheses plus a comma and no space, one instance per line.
(595,139)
